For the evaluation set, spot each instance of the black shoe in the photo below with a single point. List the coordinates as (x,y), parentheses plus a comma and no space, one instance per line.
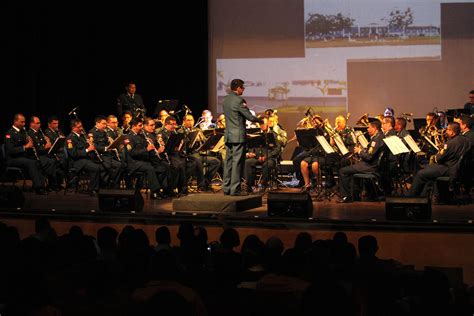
(345,199)
(41,191)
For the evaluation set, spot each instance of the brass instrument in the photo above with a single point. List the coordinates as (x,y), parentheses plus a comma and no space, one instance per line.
(363,120)
(310,121)
(339,143)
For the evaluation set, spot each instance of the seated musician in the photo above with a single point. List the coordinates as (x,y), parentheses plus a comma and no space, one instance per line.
(178,161)
(160,121)
(126,118)
(137,151)
(368,164)
(112,163)
(19,153)
(265,156)
(207,122)
(200,158)
(158,158)
(390,160)
(444,162)
(48,164)
(276,127)
(83,155)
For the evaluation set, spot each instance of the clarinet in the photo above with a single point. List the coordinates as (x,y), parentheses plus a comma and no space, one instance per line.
(28,138)
(90,140)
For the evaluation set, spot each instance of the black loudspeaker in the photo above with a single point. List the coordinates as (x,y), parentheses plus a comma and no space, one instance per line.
(120,200)
(11,196)
(406,209)
(290,204)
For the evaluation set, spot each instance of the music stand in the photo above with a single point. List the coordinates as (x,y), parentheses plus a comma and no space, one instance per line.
(117,142)
(57,146)
(206,147)
(213,131)
(174,143)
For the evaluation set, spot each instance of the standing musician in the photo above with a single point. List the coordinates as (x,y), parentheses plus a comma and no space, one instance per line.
(158,158)
(137,152)
(111,162)
(266,156)
(42,145)
(177,159)
(19,152)
(82,154)
(130,101)
(368,164)
(445,161)
(200,158)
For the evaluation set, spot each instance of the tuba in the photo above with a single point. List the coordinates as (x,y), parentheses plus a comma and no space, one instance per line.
(363,120)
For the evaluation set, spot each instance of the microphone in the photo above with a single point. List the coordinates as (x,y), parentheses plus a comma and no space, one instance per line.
(187,109)
(73,111)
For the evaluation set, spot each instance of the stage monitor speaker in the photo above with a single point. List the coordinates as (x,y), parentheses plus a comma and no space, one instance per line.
(120,200)
(11,196)
(407,208)
(289,204)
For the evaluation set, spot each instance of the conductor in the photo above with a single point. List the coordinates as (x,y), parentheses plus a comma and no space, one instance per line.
(235,112)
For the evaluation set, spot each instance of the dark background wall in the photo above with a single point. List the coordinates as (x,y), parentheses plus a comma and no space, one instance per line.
(80,54)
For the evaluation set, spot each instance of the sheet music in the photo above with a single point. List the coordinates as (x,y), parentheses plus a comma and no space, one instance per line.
(411,142)
(396,145)
(361,139)
(54,147)
(340,144)
(220,144)
(324,143)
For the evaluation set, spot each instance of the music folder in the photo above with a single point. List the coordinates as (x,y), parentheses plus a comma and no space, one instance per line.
(174,143)
(396,145)
(210,143)
(57,145)
(306,137)
(117,142)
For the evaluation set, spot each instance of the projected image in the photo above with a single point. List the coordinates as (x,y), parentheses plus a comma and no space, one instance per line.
(371,23)
(335,32)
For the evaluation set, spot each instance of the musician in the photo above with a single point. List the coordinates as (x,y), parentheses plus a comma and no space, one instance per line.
(112,129)
(266,156)
(82,155)
(400,127)
(368,164)
(126,118)
(130,101)
(445,161)
(178,160)
(470,105)
(158,159)
(340,126)
(112,163)
(200,158)
(53,132)
(428,131)
(391,160)
(42,145)
(206,120)
(161,118)
(389,112)
(19,153)
(137,152)
(276,127)
(442,120)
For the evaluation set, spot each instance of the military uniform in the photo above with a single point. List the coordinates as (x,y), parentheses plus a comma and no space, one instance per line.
(113,167)
(180,167)
(18,156)
(48,164)
(160,163)
(81,159)
(369,164)
(138,159)
(199,159)
(236,113)
(271,154)
(446,161)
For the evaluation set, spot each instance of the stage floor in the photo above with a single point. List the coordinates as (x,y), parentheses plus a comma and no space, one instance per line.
(73,205)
